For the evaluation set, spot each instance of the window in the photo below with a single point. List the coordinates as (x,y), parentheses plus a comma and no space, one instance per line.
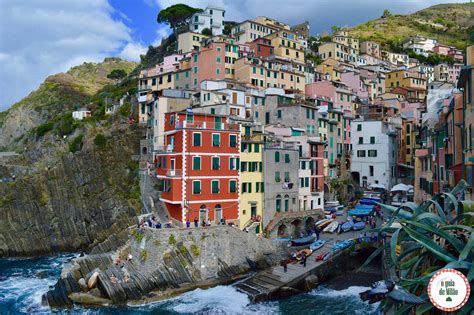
(372,153)
(359,127)
(196,163)
(361,140)
(278,203)
(371,170)
(216,163)
(196,186)
(216,140)
(277,156)
(277,177)
(287,177)
(215,186)
(189,119)
(233,163)
(287,158)
(232,186)
(360,153)
(279,113)
(372,140)
(233,141)
(196,139)
(246,187)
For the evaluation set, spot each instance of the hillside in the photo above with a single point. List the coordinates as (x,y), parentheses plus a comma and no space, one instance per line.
(76,183)
(451,24)
(58,94)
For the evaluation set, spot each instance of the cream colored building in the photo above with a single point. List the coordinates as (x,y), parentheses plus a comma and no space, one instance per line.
(251,179)
(248,31)
(343,37)
(190,41)
(338,51)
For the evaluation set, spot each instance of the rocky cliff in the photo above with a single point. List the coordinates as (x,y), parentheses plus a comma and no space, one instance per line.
(164,262)
(73,184)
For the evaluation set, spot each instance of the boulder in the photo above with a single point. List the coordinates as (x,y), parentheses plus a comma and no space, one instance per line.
(89,299)
(96,292)
(83,284)
(311,282)
(93,280)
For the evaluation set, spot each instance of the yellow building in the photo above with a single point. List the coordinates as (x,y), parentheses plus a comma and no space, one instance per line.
(342,37)
(323,135)
(338,51)
(251,179)
(286,45)
(265,73)
(190,41)
(404,78)
(272,23)
(330,70)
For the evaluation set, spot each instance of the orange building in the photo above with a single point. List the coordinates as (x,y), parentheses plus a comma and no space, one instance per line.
(198,167)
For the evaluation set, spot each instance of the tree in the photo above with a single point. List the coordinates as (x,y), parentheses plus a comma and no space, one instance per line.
(176,16)
(335,29)
(386,14)
(117,74)
(206,31)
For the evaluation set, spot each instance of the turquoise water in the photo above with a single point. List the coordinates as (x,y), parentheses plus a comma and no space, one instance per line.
(23,282)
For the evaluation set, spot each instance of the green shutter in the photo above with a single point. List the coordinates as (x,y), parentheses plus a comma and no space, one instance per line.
(233,141)
(196,187)
(196,163)
(277,156)
(216,140)
(233,186)
(196,139)
(287,158)
(215,163)
(215,187)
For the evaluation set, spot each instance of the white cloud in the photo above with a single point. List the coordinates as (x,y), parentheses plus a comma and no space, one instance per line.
(132,51)
(45,37)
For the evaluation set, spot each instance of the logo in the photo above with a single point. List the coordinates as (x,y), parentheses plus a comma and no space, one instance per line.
(448,290)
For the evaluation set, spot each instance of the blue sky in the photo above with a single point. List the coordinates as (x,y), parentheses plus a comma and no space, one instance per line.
(55,35)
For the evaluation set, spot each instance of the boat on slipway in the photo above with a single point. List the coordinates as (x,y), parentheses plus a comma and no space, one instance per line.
(303,241)
(331,227)
(317,245)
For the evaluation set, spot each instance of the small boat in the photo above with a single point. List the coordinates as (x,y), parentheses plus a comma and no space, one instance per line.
(342,245)
(299,254)
(317,245)
(331,227)
(339,213)
(321,256)
(347,226)
(303,241)
(358,226)
(324,224)
(320,222)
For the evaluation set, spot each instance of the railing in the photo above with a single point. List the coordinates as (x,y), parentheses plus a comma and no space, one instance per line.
(165,149)
(208,125)
(174,173)
(144,87)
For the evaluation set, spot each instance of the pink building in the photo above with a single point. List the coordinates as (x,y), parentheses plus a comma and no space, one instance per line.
(456,54)
(453,72)
(208,63)
(338,92)
(356,85)
(441,49)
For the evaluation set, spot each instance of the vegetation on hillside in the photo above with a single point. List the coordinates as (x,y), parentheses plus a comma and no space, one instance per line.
(451,24)
(176,15)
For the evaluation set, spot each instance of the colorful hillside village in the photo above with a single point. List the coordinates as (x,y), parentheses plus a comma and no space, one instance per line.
(247,124)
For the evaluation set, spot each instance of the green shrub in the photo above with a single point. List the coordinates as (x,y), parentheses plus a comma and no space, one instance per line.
(183,249)
(171,240)
(143,254)
(138,236)
(195,250)
(76,144)
(41,130)
(157,242)
(100,140)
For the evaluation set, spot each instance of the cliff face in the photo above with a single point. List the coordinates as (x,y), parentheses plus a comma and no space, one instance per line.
(164,262)
(76,201)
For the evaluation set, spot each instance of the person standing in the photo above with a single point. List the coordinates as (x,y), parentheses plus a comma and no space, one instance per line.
(317,231)
(188,224)
(196,222)
(284,263)
(303,260)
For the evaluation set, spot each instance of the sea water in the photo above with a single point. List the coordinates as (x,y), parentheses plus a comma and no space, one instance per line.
(24,281)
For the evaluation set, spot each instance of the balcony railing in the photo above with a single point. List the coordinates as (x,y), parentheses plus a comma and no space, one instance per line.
(144,87)
(207,125)
(165,149)
(174,173)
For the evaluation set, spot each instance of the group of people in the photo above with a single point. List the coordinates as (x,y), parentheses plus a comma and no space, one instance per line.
(153,223)
(204,223)
(367,238)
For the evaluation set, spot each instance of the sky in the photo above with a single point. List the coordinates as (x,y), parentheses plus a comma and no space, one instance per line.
(43,37)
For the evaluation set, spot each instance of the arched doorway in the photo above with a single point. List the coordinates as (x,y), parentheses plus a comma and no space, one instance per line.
(281,230)
(296,227)
(144,151)
(287,203)
(278,203)
(364,181)
(217,214)
(203,213)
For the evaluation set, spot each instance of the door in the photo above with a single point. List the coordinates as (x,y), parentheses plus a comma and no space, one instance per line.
(234,98)
(218,214)
(267,118)
(172,164)
(253,211)
(202,214)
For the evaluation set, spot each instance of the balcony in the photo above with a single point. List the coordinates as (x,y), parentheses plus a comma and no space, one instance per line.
(207,125)
(165,149)
(174,173)
(144,87)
